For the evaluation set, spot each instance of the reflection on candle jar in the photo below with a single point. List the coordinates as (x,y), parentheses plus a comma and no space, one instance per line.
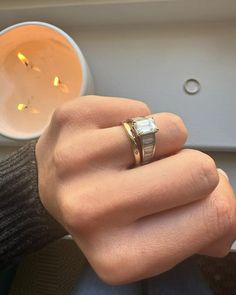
(39,70)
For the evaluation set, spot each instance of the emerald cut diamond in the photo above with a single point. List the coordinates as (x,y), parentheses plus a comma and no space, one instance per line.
(144,126)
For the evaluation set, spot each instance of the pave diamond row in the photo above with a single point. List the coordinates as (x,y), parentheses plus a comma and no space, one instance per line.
(148,147)
(145,129)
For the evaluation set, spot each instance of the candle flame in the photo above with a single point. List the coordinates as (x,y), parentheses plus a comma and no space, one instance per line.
(57,83)
(23,59)
(21,106)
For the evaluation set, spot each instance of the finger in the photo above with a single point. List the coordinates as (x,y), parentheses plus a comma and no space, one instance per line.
(163,240)
(171,182)
(222,246)
(170,139)
(98,111)
(110,147)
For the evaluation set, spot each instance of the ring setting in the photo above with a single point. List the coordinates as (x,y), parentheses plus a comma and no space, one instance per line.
(142,132)
(144,125)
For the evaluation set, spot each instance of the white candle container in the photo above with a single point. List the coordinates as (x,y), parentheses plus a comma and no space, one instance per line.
(41,67)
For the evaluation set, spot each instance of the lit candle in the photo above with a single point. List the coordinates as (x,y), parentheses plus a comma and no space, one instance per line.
(26,62)
(40,68)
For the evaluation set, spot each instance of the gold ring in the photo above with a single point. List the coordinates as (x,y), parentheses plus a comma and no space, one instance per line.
(143,130)
(134,145)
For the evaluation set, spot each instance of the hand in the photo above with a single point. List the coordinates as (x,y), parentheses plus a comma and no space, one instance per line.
(131,223)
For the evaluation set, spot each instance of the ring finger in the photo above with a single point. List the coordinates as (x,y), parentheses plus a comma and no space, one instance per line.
(111,147)
(170,139)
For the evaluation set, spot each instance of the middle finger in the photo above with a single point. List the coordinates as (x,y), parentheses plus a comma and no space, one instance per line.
(171,182)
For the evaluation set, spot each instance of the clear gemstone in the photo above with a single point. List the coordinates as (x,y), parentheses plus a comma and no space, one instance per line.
(145,126)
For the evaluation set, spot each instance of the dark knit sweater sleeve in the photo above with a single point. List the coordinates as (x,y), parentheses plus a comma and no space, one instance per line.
(25,226)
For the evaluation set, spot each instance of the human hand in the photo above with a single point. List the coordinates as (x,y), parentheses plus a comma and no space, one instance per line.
(131,223)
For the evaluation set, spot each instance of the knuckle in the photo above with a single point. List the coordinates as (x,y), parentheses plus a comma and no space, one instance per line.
(81,216)
(106,272)
(84,107)
(65,160)
(74,216)
(88,218)
(176,126)
(61,116)
(87,111)
(205,172)
(110,269)
(209,172)
(83,110)
(127,270)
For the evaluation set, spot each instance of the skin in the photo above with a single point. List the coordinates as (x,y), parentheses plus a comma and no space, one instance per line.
(131,223)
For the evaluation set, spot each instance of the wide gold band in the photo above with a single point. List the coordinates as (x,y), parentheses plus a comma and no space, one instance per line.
(134,144)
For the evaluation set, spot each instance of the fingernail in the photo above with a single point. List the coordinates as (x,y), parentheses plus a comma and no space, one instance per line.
(223,172)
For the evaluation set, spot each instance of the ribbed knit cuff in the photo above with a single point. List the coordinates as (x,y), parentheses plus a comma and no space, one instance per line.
(25,225)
